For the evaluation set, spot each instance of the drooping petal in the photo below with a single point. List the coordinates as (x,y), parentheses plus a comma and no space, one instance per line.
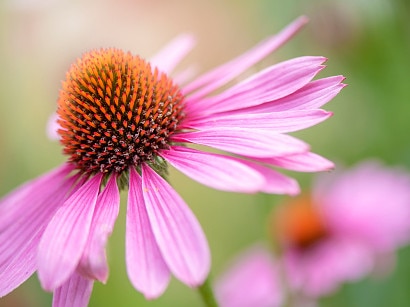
(173,53)
(93,261)
(76,291)
(146,268)
(65,237)
(275,82)
(249,142)
(12,205)
(304,162)
(25,213)
(177,231)
(219,76)
(280,122)
(217,171)
(252,281)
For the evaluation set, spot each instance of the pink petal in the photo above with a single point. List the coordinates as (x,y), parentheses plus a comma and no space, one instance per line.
(270,84)
(76,291)
(65,237)
(312,96)
(52,127)
(27,212)
(280,122)
(252,281)
(185,75)
(304,162)
(275,182)
(93,261)
(12,204)
(177,232)
(173,53)
(228,71)
(249,142)
(217,171)
(146,268)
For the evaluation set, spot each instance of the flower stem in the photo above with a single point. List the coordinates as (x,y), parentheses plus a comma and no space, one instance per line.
(207,294)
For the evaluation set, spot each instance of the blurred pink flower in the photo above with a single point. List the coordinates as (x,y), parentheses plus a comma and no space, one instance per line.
(351,222)
(122,120)
(252,280)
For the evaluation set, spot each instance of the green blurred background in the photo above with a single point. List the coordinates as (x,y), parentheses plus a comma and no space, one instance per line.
(368,41)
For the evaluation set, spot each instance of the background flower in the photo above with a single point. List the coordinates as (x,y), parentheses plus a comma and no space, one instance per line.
(351,224)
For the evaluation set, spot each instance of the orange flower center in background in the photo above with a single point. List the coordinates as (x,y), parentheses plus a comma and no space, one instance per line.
(115,110)
(298,223)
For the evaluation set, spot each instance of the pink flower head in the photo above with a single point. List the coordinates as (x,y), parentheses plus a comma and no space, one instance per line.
(252,280)
(352,220)
(122,121)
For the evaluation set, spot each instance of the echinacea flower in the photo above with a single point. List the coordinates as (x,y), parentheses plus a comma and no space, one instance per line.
(122,121)
(253,279)
(351,221)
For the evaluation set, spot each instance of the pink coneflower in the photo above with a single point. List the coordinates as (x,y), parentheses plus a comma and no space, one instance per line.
(123,120)
(340,233)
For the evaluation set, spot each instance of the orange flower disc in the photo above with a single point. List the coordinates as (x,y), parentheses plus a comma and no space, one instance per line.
(115,110)
(299,223)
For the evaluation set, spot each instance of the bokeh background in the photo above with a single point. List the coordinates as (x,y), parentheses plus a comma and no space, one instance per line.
(368,41)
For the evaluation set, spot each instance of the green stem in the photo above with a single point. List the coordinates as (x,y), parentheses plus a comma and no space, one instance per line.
(207,294)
